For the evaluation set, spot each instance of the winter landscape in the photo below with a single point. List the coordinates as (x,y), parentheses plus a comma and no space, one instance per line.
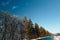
(29,19)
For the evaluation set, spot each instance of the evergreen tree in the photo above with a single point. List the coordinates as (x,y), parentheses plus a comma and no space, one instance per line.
(23,29)
(30,29)
(25,23)
(37,30)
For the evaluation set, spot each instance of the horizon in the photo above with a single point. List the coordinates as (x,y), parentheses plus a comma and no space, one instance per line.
(44,12)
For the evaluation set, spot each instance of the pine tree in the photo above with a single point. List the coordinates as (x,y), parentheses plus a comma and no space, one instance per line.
(30,29)
(25,23)
(37,30)
(42,32)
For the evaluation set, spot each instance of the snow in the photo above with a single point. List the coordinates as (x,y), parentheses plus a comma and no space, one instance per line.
(56,38)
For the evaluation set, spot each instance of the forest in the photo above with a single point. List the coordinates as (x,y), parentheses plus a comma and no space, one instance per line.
(12,27)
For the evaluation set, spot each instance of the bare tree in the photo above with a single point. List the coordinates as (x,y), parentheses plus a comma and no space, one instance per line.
(6,23)
(13,27)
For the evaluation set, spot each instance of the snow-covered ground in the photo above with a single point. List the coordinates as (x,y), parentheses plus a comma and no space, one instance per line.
(56,38)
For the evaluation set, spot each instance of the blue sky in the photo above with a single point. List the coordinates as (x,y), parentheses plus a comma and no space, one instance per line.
(45,12)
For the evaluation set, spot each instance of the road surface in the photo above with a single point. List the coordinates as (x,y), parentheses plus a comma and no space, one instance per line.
(56,38)
(49,38)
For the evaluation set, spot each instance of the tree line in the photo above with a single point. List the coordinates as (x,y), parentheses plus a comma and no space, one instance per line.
(15,28)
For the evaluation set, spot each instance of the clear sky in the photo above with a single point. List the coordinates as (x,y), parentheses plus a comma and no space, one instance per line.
(45,12)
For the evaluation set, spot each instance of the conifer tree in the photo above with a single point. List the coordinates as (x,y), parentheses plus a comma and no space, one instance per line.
(37,30)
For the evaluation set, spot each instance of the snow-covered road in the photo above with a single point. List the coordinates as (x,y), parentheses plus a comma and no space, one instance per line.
(49,38)
(56,38)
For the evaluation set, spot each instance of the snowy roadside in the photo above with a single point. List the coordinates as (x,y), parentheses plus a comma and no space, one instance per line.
(56,38)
